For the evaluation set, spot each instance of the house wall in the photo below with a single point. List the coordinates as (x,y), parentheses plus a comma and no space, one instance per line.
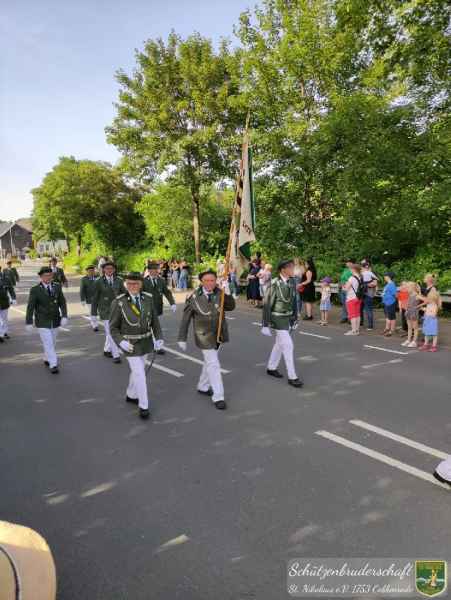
(21,238)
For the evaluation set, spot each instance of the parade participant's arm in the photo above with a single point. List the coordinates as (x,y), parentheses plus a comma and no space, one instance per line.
(82,292)
(64,279)
(229,301)
(156,329)
(268,302)
(62,303)
(12,294)
(16,273)
(95,298)
(31,305)
(168,294)
(185,323)
(115,323)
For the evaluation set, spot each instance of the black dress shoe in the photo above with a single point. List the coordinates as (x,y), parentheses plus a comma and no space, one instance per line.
(47,364)
(108,354)
(221,405)
(161,351)
(54,370)
(274,373)
(208,392)
(144,413)
(2,341)
(96,329)
(132,400)
(297,383)
(440,478)
(117,360)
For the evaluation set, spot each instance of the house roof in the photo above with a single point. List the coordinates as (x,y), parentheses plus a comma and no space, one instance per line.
(26,224)
(5,227)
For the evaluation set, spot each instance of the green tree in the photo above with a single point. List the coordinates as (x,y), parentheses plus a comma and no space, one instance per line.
(76,193)
(177,116)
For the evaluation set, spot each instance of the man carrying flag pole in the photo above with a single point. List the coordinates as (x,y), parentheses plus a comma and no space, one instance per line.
(242,225)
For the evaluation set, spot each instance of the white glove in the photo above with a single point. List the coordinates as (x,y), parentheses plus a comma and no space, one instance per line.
(173,307)
(13,302)
(158,345)
(83,303)
(126,346)
(29,328)
(266,331)
(64,322)
(182,346)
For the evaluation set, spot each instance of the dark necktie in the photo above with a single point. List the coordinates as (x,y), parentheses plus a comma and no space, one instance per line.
(49,291)
(209,296)
(137,303)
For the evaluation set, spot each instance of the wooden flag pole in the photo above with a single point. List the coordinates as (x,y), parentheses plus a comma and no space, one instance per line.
(229,244)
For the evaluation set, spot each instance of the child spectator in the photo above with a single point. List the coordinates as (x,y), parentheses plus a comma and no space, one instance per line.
(325,304)
(412,314)
(389,302)
(265,276)
(433,304)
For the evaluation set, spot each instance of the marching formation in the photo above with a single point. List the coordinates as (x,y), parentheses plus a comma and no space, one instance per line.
(130,310)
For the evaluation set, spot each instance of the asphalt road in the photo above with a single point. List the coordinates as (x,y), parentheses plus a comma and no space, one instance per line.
(200,504)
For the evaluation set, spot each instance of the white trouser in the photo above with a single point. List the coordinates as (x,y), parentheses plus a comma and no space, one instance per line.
(211,375)
(92,318)
(283,345)
(48,339)
(444,469)
(3,321)
(137,383)
(110,344)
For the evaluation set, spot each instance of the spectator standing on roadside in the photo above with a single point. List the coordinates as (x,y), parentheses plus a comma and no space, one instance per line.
(433,304)
(344,278)
(265,276)
(307,288)
(233,281)
(175,274)
(369,281)
(353,301)
(403,299)
(299,270)
(184,275)
(389,301)
(412,314)
(325,304)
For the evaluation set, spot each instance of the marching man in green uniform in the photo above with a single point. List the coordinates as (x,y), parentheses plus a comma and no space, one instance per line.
(135,328)
(280,314)
(7,297)
(47,308)
(202,307)
(12,273)
(106,289)
(87,287)
(155,284)
(58,273)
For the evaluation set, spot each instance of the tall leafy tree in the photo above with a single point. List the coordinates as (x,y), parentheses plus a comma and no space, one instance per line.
(177,115)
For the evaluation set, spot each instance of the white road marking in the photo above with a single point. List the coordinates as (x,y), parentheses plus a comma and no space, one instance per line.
(22,312)
(191,358)
(382,458)
(387,350)
(181,539)
(399,438)
(322,337)
(230,318)
(255,323)
(167,370)
(395,361)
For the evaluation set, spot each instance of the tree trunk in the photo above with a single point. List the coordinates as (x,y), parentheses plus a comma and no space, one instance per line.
(79,244)
(196,225)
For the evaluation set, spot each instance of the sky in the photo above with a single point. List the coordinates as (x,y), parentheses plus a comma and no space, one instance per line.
(58,59)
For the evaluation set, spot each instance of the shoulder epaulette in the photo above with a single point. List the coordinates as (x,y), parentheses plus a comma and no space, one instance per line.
(274,280)
(148,294)
(120,296)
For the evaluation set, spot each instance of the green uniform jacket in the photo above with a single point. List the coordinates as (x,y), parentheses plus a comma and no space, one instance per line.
(103,296)
(158,290)
(279,305)
(46,310)
(12,274)
(205,316)
(59,276)
(6,291)
(137,328)
(87,287)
